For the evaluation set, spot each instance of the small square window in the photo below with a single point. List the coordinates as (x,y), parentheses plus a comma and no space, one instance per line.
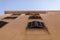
(10,17)
(2,23)
(14,16)
(35,17)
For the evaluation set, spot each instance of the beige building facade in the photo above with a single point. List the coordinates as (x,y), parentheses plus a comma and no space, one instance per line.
(13,25)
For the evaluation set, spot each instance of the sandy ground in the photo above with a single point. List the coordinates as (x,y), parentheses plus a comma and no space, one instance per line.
(16,29)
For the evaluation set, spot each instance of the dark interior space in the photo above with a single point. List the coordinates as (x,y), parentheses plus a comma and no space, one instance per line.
(2,23)
(10,17)
(36,24)
(14,16)
(35,17)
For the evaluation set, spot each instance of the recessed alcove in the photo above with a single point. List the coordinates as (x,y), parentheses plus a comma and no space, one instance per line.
(2,23)
(36,24)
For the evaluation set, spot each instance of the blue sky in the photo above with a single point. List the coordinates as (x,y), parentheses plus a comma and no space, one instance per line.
(29,5)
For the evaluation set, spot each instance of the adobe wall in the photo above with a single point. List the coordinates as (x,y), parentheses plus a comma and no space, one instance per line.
(24,12)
